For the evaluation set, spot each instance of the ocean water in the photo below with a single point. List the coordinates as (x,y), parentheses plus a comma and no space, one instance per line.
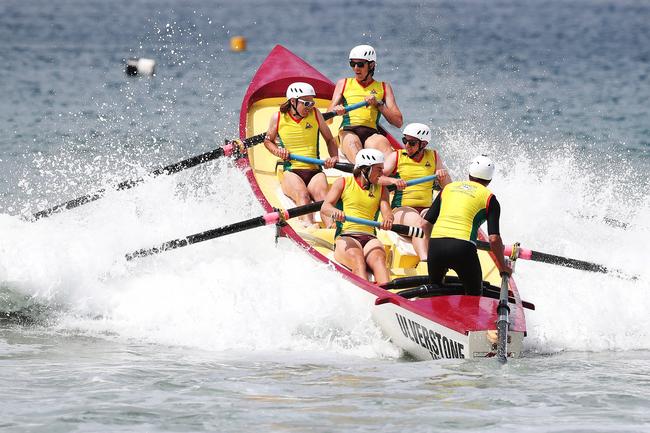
(242,332)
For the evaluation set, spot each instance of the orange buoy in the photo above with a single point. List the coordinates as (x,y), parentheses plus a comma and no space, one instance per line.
(238,43)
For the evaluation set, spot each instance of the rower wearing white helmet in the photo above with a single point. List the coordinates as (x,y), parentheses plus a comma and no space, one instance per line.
(359,128)
(294,129)
(411,203)
(361,196)
(456,215)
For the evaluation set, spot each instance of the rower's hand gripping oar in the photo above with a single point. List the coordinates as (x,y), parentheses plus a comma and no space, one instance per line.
(266,219)
(232,147)
(343,166)
(415,181)
(397,228)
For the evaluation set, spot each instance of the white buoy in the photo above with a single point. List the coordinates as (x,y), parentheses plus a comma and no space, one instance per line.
(136,66)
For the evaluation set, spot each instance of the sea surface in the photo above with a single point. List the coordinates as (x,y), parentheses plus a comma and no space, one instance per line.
(241,332)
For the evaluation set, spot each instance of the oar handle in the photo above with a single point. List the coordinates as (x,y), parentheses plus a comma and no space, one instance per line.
(343,166)
(415,181)
(330,114)
(397,228)
(266,219)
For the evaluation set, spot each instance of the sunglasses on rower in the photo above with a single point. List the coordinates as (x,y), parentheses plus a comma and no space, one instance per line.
(360,64)
(412,142)
(307,104)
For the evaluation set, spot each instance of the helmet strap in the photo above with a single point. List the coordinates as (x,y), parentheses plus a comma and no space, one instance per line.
(295,109)
(420,150)
(371,73)
(365,173)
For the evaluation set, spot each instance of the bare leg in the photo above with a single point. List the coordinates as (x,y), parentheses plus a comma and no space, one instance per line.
(379,142)
(318,189)
(295,189)
(350,144)
(410,217)
(376,259)
(348,252)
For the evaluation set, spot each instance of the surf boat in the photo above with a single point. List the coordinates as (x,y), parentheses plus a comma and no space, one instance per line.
(427,323)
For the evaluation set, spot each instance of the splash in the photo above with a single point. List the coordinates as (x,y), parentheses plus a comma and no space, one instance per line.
(563,200)
(237,292)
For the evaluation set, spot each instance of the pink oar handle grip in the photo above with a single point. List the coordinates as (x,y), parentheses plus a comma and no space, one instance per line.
(524,253)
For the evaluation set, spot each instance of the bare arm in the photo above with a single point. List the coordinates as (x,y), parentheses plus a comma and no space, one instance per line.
(332,197)
(332,145)
(442,172)
(337,96)
(390,110)
(386,211)
(271,135)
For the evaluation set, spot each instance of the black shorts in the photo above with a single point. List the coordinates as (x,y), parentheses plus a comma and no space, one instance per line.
(362,238)
(363,132)
(305,174)
(459,255)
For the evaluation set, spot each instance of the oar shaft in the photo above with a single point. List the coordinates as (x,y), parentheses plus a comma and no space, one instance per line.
(503,322)
(330,114)
(397,228)
(536,256)
(348,168)
(417,181)
(269,218)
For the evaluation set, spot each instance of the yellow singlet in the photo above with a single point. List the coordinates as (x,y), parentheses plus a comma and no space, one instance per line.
(420,195)
(358,202)
(299,136)
(354,92)
(462,210)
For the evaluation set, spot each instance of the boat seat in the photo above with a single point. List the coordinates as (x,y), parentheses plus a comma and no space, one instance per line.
(402,253)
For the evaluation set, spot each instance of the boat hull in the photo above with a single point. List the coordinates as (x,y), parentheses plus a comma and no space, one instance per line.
(440,327)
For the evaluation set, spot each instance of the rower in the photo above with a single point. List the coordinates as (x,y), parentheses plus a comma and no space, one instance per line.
(359,129)
(456,215)
(361,196)
(411,203)
(296,126)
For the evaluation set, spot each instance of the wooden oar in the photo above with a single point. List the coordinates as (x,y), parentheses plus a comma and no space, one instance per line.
(415,181)
(266,219)
(230,148)
(397,228)
(503,322)
(343,166)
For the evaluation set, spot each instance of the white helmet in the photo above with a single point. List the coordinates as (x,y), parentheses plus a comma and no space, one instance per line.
(482,167)
(418,130)
(368,157)
(298,89)
(365,52)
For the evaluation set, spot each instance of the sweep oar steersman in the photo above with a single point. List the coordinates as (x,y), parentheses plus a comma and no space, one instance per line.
(456,215)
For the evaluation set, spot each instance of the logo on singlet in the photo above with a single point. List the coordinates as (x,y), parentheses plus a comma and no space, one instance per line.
(308,126)
(428,164)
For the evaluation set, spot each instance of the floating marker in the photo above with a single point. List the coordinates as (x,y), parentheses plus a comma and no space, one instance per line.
(140,66)
(238,43)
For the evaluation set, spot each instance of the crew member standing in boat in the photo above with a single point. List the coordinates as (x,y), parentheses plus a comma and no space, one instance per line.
(359,128)
(411,203)
(297,125)
(456,215)
(360,196)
